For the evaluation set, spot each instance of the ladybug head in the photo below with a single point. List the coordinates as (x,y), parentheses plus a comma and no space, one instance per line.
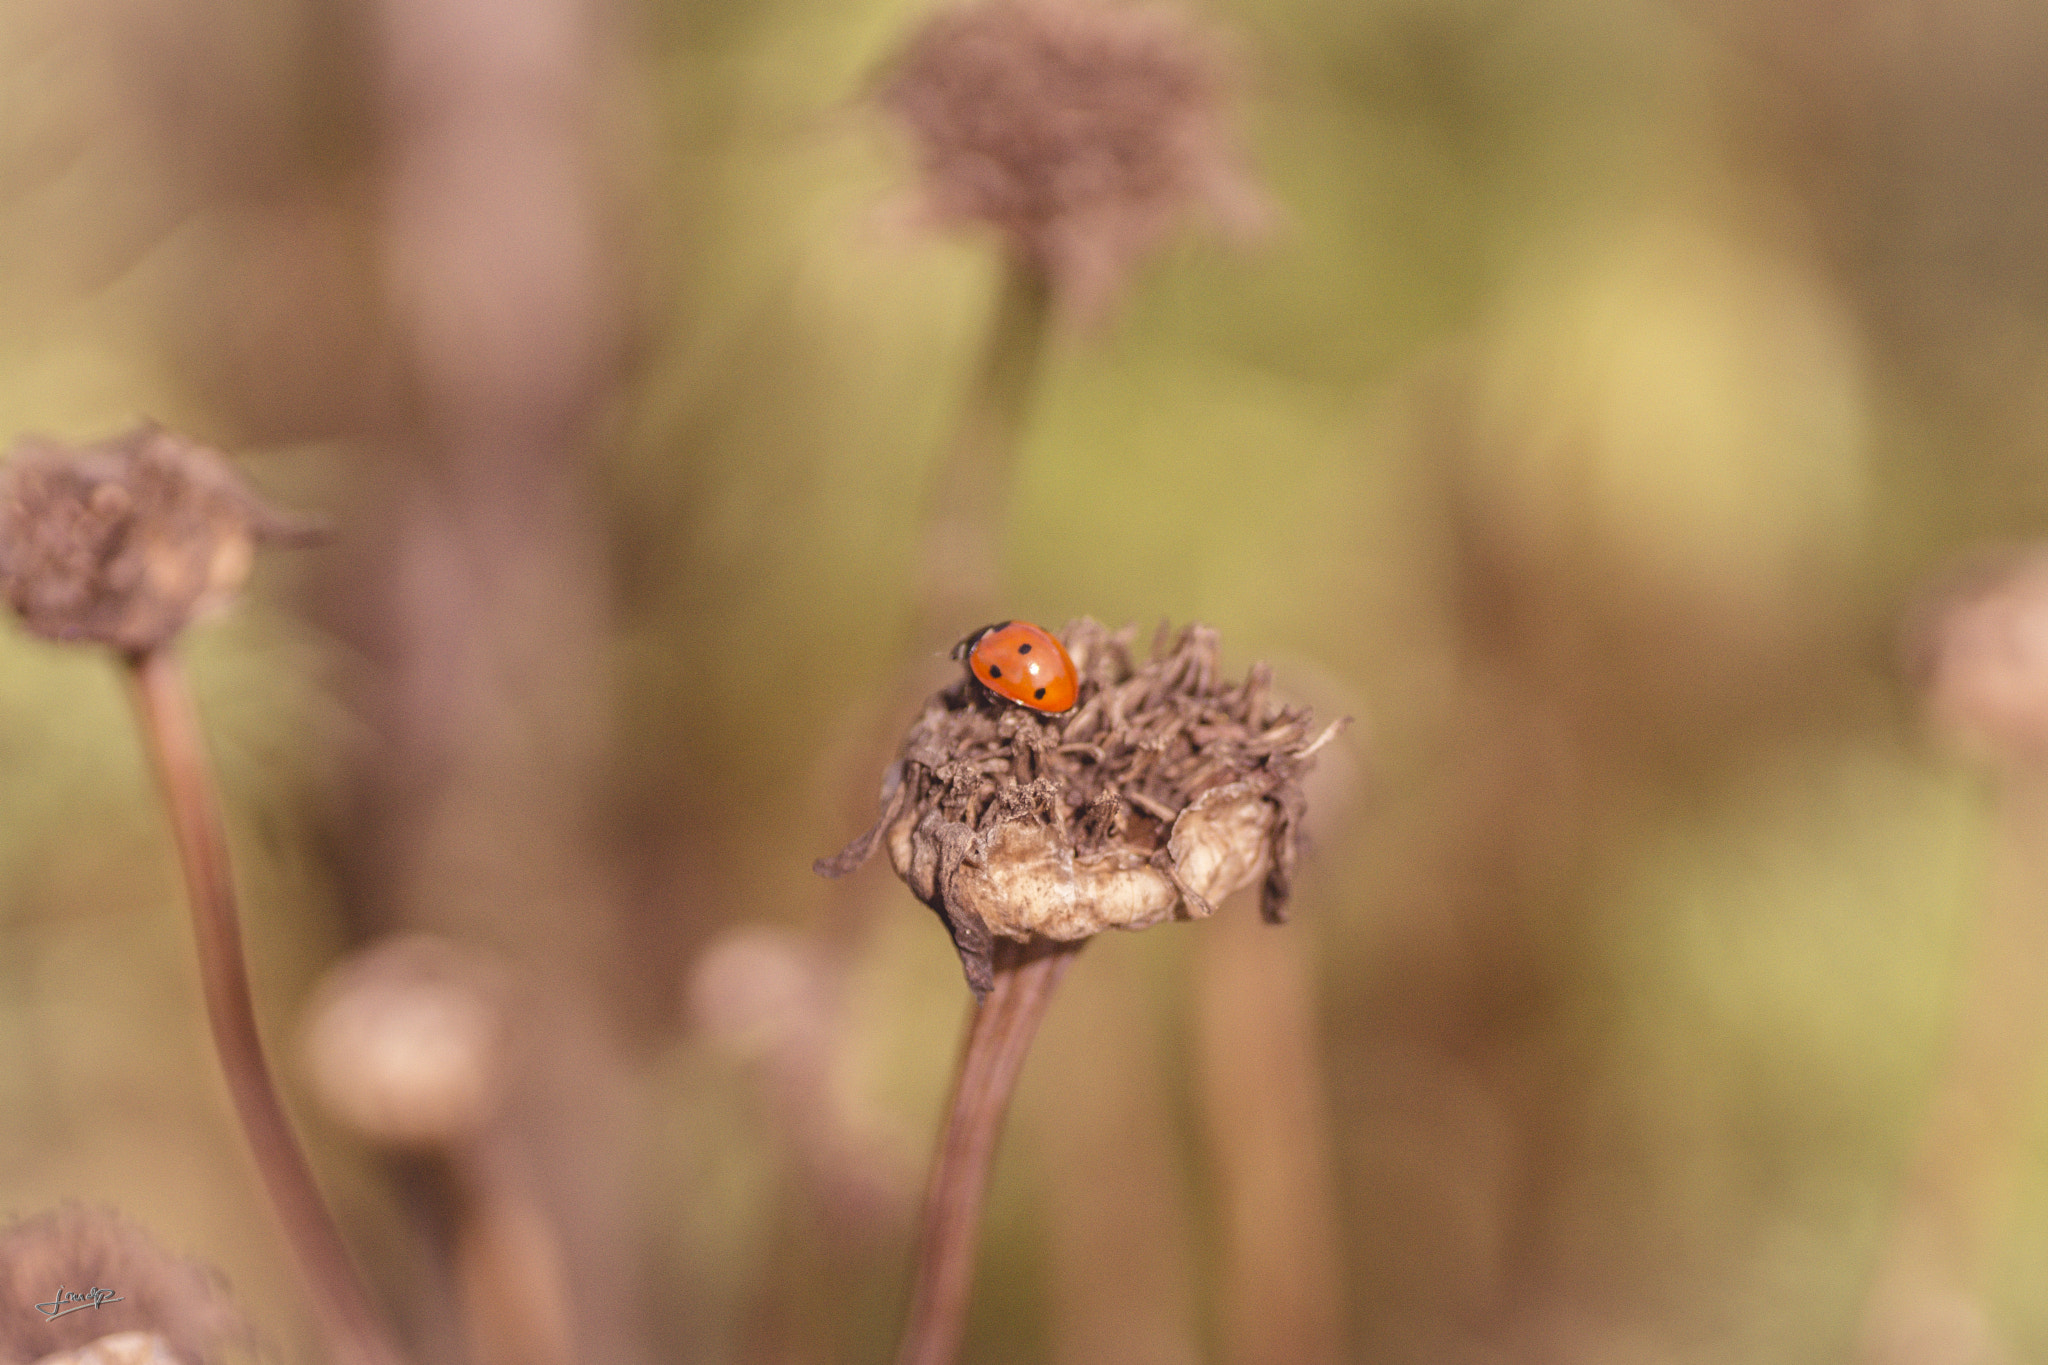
(972,638)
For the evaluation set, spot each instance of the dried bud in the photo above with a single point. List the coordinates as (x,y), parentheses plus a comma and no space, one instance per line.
(126,1294)
(1158,794)
(405,1042)
(1980,647)
(1081,131)
(125,542)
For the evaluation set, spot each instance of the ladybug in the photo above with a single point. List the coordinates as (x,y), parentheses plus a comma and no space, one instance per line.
(1019,662)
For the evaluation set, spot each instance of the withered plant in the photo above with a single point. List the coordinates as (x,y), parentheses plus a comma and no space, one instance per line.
(1977,644)
(1163,790)
(151,1296)
(1081,133)
(122,544)
(118,1348)
(412,1043)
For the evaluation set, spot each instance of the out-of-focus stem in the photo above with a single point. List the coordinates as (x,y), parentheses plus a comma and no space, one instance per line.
(1972,1142)
(1119,1230)
(956,586)
(998,1038)
(1262,1088)
(170,726)
(508,1265)
(971,487)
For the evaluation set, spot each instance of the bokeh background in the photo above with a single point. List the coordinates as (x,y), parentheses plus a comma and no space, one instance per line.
(1615,375)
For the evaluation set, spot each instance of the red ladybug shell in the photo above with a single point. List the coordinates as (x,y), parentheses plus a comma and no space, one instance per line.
(1021,663)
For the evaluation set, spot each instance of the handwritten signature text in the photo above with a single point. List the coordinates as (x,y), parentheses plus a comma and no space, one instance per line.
(72,1300)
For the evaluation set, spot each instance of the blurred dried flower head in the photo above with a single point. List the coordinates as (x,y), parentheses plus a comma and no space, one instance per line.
(1161,792)
(405,1042)
(126,541)
(1931,1324)
(120,1348)
(77,1249)
(1978,644)
(1080,130)
(754,990)
(770,998)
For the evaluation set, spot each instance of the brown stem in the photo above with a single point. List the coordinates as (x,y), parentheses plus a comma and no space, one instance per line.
(1974,1139)
(998,1037)
(508,1264)
(971,486)
(170,727)
(1280,1286)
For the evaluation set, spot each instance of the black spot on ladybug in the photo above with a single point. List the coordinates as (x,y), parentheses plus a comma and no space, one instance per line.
(1024,648)
(1040,693)
(994,672)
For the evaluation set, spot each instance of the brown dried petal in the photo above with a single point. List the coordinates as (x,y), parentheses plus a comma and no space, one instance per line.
(894,797)
(125,542)
(1291,812)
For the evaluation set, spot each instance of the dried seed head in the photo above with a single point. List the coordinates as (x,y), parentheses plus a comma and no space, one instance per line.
(124,542)
(1979,645)
(405,1042)
(759,991)
(80,1249)
(771,1000)
(120,1348)
(1161,792)
(1080,130)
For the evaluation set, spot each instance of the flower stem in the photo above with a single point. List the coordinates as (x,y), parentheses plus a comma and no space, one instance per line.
(170,726)
(971,487)
(1974,1141)
(998,1037)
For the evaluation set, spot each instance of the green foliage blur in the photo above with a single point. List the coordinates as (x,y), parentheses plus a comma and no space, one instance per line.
(1615,376)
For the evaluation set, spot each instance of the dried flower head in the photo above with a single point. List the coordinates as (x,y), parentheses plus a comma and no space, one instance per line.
(118,1348)
(1979,645)
(405,1042)
(1161,792)
(126,541)
(756,991)
(771,999)
(1080,130)
(75,1249)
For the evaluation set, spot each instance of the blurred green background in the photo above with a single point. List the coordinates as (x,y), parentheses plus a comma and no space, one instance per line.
(1616,373)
